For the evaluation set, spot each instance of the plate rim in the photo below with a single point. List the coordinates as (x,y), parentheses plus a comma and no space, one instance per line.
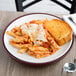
(22,61)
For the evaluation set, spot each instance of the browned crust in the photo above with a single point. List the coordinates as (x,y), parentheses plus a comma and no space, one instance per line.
(63,40)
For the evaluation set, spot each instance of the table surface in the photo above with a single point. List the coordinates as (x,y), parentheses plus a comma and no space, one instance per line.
(9,67)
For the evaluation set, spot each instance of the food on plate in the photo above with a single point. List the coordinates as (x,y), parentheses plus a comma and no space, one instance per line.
(40,38)
(60,30)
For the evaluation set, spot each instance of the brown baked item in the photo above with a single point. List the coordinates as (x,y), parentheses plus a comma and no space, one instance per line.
(60,30)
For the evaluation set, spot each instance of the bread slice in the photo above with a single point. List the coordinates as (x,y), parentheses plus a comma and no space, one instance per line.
(60,30)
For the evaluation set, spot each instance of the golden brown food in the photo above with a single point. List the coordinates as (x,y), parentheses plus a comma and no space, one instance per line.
(60,30)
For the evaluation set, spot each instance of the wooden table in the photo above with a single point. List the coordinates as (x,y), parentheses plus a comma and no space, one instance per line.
(9,67)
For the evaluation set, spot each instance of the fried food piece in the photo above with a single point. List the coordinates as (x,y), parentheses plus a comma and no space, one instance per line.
(60,30)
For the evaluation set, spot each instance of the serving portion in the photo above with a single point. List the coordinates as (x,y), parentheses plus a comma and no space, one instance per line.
(33,39)
(38,38)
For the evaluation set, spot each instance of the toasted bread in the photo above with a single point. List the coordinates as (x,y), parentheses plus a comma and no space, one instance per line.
(60,30)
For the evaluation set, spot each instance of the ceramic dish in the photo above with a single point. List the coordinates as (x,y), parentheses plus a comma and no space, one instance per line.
(25,58)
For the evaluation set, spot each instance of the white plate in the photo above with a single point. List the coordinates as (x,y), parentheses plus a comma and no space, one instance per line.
(25,58)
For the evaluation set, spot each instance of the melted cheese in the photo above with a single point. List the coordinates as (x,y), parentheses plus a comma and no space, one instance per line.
(37,32)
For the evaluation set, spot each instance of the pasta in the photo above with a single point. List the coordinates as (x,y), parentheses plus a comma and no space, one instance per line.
(32,38)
